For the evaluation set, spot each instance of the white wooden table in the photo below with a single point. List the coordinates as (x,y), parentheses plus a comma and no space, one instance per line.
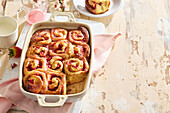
(136,76)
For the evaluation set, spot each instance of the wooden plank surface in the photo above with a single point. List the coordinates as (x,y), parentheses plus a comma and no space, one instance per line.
(136,76)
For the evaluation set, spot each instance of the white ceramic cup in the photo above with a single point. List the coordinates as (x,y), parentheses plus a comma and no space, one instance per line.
(8,31)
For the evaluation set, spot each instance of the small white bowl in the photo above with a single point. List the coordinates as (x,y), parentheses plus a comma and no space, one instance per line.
(8,31)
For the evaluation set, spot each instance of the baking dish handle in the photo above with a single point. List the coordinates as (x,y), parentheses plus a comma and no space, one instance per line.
(60,101)
(70,16)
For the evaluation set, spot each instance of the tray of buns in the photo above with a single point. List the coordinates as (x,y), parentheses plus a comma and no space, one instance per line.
(56,60)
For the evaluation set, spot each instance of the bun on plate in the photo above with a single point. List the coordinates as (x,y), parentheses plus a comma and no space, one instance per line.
(97,6)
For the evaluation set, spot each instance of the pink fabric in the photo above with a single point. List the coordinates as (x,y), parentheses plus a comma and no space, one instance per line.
(102,47)
(10,94)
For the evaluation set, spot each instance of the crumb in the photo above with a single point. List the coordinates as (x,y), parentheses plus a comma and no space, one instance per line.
(104,95)
(101,74)
(141,103)
(102,107)
(13,65)
(35,1)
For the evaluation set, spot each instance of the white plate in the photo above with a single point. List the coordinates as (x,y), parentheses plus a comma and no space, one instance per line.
(114,6)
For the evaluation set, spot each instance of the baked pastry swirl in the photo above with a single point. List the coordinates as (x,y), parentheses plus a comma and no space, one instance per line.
(55,64)
(97,6)
(82,50)
(56,83)
(58,34)
(56,58)
(35,82)
(79,36)
(34,65)
(37,51)
(76,69)
(61,48)
(41,37)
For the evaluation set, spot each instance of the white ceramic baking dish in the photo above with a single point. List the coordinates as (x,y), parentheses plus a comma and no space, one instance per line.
(55,100)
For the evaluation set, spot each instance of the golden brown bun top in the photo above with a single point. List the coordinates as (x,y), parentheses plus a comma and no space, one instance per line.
(98,6)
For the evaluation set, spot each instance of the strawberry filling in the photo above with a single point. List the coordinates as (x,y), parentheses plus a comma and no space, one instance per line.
(76,52)
(53,44)
(56,50)
(46,38)
(49,58)
(94,4)
(79,36)
(31,81)
(49,66)
(58,66)
(40,76)
(50,82)
(42,53)
(37,47)
(60,46)
(84,49)
(30,68)
(84,40)
(69,62)
(45,46)
(76,66)
(63,59)
(40,65)
(84,67)
(59,50)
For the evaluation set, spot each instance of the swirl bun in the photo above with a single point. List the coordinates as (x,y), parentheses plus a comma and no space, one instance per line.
(34,65)
(37,51)
(41,37)
(76,69)
(55,64)
(35,82)
(97,6)
(58,34)
(81,50)
(56,83)
(61,48)
(79,36)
